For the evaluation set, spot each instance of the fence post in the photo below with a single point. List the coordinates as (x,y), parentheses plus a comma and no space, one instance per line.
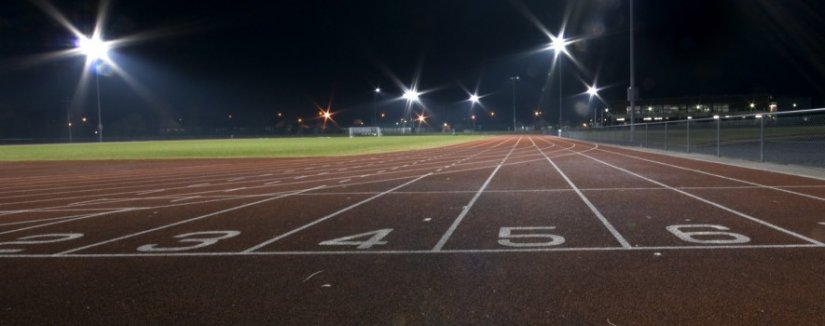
(646,134)
(665,135)
(687,148)
(762,139)
(718,123)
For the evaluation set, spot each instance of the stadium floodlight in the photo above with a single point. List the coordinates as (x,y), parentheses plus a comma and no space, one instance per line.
(95,50)
(474,98)
(411,95)
(592,91)
(559,46)
(378,89)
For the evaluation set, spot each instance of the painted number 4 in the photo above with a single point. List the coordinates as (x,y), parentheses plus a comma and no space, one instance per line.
(364,240)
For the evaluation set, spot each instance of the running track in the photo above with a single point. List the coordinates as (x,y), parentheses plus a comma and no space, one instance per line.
(509,230)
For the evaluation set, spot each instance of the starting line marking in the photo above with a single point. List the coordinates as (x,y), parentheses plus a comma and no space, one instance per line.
(415,252)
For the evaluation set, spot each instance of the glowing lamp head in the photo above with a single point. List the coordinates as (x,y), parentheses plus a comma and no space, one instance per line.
(474,98)
(378,89)
(592,91)
(93,48)
(421,118)
(327,115)
(411,95)
(559,44)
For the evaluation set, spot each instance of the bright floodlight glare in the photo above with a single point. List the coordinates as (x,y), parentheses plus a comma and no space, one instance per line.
(411,95)
(474,98)
(592,91)
(378,89)
(559,44)
(93,48)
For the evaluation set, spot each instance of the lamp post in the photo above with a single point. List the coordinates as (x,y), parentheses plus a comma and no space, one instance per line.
(559,46)
(592,91)
(514,79)
(95,50)
(632,93)
(474,99)
(411,95)
(376,91)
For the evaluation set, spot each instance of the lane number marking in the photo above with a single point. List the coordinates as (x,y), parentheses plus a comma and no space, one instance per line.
(201,239)
(507,234)
(39,239)
(693,236)
(373,238)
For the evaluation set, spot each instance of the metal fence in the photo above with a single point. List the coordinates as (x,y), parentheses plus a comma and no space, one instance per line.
(791,137)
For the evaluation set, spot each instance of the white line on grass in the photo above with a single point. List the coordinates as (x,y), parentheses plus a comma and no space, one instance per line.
(460,217)
(587,202)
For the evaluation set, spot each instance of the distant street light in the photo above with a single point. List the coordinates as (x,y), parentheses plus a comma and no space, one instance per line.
(375,93)
(95,50)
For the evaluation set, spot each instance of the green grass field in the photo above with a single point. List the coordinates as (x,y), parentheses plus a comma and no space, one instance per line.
(226,148)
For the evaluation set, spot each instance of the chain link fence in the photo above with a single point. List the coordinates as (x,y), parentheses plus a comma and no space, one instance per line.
(791,137)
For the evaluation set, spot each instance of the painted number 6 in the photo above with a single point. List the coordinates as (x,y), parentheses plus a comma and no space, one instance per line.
(718,237)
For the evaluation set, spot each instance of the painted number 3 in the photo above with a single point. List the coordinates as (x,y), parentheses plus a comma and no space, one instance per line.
(200,240)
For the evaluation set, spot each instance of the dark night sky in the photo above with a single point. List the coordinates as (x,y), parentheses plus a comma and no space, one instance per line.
(255,58)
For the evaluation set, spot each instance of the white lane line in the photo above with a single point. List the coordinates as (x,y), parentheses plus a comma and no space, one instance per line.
(310,224)
(234,189)
(236,179)
(300,177)
(68,220)
(586,201)
(198,185)
(412,252)
(272,183)
(87,202)
(460,217)
(720,176)
(727,209)
(149,192)
(183,199)
(187,220)
(265,175)
(345,180)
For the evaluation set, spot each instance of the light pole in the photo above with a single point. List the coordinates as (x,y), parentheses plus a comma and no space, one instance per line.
(411,95)
(559,46)
(632,93)
(474,99)
(514,79)
(95,50)
(375,106)
(592,91)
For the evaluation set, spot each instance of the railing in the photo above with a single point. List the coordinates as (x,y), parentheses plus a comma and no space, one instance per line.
(791,137)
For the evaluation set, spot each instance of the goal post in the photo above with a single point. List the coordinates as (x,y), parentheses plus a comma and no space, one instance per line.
(365,131)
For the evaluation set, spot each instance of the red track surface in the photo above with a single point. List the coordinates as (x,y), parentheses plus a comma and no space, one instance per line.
(521,229)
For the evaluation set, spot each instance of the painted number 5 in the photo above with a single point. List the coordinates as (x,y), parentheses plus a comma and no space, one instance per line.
(201,239)
(527,233)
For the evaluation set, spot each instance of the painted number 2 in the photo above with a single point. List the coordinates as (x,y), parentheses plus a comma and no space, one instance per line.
(38,239)
(200,240)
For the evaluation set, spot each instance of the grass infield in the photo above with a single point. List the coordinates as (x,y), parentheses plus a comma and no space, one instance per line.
(227,148)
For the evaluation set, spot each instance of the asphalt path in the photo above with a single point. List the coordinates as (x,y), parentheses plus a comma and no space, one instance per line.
(507,230)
